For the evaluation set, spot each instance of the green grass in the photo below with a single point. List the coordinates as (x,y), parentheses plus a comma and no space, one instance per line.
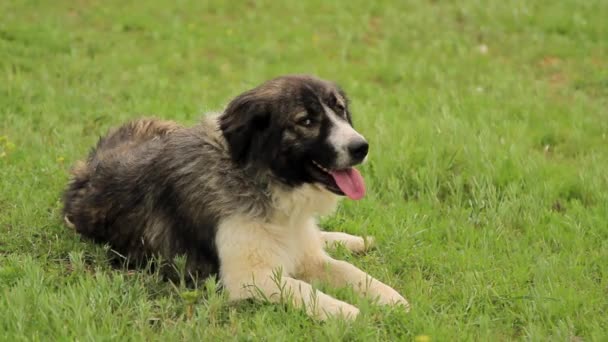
(488,189)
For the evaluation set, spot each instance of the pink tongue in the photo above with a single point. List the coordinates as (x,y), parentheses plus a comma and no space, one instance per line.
(350,182)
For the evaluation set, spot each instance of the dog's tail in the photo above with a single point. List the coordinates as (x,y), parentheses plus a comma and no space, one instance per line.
(68,223)
(75,193)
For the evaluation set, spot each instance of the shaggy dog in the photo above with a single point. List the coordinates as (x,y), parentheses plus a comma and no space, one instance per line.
(237,194)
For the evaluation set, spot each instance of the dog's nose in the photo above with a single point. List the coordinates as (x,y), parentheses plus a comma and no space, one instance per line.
(358,149)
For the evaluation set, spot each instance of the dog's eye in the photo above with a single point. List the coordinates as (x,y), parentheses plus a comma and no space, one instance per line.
(305,122)
(332,101)
(340,108)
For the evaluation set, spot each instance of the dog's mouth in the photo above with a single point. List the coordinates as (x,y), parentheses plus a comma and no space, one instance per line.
(345,182)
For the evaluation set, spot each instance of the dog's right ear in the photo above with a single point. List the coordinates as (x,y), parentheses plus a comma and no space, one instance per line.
(243,124)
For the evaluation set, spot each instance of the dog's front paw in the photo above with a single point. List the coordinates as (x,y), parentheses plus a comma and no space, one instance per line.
(361,244)
(369,242)
(393,298)
(342,311)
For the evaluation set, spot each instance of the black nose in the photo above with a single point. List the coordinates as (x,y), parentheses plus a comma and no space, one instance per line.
(358,149)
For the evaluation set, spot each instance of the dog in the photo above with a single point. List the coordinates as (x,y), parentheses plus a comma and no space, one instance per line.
(238,194)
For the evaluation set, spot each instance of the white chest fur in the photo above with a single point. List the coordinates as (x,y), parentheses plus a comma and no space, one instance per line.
(286,242)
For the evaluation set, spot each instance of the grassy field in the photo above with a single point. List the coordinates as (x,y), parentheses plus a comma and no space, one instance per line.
(487,182)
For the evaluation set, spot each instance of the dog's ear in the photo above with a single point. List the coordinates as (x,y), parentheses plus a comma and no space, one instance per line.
(244,124)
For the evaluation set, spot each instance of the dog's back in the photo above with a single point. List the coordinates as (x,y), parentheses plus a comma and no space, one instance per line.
(117,144)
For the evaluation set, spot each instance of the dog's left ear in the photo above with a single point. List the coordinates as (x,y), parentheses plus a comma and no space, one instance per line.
(244,124)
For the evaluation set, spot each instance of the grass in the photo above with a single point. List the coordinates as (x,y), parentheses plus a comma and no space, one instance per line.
(488,124)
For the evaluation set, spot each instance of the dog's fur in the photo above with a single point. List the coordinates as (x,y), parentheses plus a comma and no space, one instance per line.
(236,194)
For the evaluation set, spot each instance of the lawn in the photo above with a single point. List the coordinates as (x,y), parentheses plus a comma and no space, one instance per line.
(487,182)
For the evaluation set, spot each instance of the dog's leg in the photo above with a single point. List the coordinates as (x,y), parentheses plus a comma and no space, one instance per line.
(340,273)
(356,244)
(275,288)
(250,254)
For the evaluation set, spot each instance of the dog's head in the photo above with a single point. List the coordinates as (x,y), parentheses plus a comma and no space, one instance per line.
(301,129)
